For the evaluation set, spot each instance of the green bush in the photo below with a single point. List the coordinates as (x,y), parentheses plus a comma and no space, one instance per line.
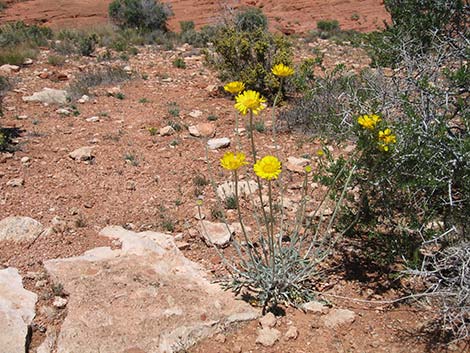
(249,57)
(187,26)
(250,19)
(4,87)
(328,25)
(75,42)
(148,15)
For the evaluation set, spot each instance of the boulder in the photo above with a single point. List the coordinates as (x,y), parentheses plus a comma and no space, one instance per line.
(17,311)
(20,229)
(145,297)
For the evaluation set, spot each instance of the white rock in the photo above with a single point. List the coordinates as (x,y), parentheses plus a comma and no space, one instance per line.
(17,310)
(15,182)
(315,307)
(93,119)
(22,117)
(20,228)
(25,160)
(59,302)
(116,297)
(63,111)
(297,165)
(28,61)
(268,336)
(268,321)
(339,317)
(167,131)
(195,114)
(215,233)
(84,99)
(82,154)
(49,96)
(8,69)
(214,144)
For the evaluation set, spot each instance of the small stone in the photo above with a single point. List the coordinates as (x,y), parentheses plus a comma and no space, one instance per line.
(93,119)
(44,75)
(297,165)
(268,336)
(8,69)
(339,317)
(131,185)
(84,99)
(195,114)
(20,229)
(127,68)
(25,160)
(63,111)
(315,307)
(15,182)
(82,154)
(182,245)
(59,302)
(167,131)
(22,117)
(268,321)
(292,333)
(28,61)
(215,233)
(214,144)
(41,283)
(202,130)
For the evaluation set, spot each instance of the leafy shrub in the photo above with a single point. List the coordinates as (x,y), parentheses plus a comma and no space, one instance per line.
(250,19)
(55,60)
(249,57)
(328,25)
(75,42)
(147,15)
(4,87)
(179,63)
(187,26)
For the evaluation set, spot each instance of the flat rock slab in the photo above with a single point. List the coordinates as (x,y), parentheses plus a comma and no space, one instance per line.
(48,96)
(20,229)
(145,297)
(16,311)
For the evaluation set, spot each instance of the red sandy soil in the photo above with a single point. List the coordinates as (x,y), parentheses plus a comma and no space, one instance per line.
(287,16)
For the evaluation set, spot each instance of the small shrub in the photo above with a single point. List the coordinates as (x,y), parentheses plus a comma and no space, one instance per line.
(212,117)
(200,180)
(179,63)
(250,19)
(231,203)
(56,60)
(328,25)
(187,26)
(148,15)
(173,109)
(96,77)
(4,87)
(120,96)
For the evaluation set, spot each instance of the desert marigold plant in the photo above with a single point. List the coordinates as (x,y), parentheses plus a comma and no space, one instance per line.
(282,70)
(234,87)
(386,138)
(250,101)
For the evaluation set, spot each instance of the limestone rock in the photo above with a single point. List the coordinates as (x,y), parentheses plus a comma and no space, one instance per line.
(292,333)
(49,96)
(16,311)
(15,182)
(166,131)
(339,317)
(59,302)
(117,297)
(268,321)
(268,336)
(297,165)
(195,114)
(20,229)
(315,307)
(215,144)
(215,233)
(82,154)
(202,130)
(8,69)
(245,188)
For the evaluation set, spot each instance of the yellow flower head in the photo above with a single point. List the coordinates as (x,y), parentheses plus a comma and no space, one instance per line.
(308,168)
(369,122)
(249,101)
(232,161)
(234,87)
(268,168)
(282,70)
(385,139)
(199,202)
(320,153)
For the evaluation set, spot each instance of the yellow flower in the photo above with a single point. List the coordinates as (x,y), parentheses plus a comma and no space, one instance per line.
(282,70)
(249,101)
(320,153)
(268,168)
(232,161)
(385,139)
(234,87)
(308,168)
(369,122)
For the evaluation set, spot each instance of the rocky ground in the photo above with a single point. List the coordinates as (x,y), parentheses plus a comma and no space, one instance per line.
(113,244)
(287,16)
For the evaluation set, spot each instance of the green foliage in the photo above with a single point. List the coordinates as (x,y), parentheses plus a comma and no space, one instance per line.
(187,26)
(148,15)
(75,42)
(250,19)
(55,60)
(173,109)
(249,57)
(328,25)
(4,87)
(179,63)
